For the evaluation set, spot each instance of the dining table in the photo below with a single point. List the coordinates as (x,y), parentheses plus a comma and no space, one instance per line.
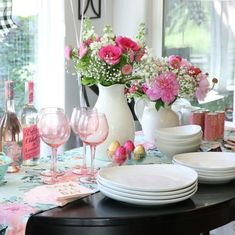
(209,208)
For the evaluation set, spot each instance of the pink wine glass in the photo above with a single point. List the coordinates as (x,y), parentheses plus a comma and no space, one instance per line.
(93,130)
(54,130)
(77,115)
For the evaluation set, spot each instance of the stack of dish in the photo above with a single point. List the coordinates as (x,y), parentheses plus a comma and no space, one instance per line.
(155,184)
(212,167)
(180,139)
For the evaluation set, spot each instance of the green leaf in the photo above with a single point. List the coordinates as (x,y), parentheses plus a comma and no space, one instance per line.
(159,103)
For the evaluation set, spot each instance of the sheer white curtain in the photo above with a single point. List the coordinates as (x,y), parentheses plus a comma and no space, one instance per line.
(223,39)
(50,80)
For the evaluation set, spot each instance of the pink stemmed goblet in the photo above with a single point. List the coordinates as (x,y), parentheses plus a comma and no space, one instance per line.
(93,130)
(77,115)
(54,130)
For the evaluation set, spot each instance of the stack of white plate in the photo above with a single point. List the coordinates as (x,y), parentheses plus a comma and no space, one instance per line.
(156,184)
(212,167)
(180,139)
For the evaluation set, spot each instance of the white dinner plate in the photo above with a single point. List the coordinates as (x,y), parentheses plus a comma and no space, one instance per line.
(207,160)
(146,193)
(150,178)
(144,202)
(145,197)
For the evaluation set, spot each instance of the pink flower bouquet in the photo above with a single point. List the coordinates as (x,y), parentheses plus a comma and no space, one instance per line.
(107,59)
(165,80)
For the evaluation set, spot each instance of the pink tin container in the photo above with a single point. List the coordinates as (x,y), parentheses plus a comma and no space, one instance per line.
(211,126)
(221,121)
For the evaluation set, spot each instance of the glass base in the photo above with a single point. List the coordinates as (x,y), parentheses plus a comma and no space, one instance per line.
(49,173)
(13,169)
(50,180)
(81,171)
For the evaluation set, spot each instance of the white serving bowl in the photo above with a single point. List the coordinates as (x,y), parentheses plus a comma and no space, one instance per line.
(179,141)
(182,143)
(170,150)
(179,132)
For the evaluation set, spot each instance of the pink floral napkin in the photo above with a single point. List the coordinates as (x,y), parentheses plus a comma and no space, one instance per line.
(57,194)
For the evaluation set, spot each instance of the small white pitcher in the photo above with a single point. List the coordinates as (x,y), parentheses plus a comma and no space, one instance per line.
(151,119)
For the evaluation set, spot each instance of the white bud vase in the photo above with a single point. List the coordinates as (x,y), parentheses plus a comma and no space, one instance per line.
(113,103)
(150,118)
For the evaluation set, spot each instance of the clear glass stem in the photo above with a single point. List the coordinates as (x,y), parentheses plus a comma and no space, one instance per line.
(93,148)
(54,163)
(84,166)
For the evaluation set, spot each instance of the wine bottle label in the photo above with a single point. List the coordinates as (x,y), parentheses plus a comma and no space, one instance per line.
(31,142)
(13,149)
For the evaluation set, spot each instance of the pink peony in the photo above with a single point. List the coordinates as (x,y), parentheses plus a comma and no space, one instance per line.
(68,53)
(165,87)
(82,50)
(127,69)
(203,88)
(126,43)
(110,54)
(175,61)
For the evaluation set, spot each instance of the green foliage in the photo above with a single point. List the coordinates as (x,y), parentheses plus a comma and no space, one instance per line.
(159,103)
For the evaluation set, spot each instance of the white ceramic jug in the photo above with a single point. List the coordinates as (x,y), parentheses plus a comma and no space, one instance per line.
(151,119)
(113,103)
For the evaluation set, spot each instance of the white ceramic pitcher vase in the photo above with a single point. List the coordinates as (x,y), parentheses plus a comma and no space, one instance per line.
(151,119)
(113,103)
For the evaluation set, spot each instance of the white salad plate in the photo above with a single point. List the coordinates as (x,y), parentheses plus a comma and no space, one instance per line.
(146,193)
(145,197)
(142,201)
(149,178)
(212,167)
(215,161)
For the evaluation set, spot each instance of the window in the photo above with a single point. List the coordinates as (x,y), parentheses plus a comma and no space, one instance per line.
(35,50)
(18,51)
(204,33)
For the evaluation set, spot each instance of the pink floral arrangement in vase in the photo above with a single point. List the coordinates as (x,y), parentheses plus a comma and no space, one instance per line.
(107,59)
(166,79)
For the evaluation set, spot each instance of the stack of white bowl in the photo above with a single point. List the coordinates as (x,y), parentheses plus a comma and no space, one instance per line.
(180,139)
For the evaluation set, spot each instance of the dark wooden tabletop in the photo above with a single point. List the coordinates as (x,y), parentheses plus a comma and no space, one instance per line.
(212,206)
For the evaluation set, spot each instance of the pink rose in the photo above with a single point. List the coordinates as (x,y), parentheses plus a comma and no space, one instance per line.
(82,50)
(133,89)
(175,61)
(127,69)
(126,44)
(110,54)
(68,53)
(194,71)
(88,41)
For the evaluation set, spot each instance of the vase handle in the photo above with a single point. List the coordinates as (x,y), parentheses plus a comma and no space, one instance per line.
(139,108)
